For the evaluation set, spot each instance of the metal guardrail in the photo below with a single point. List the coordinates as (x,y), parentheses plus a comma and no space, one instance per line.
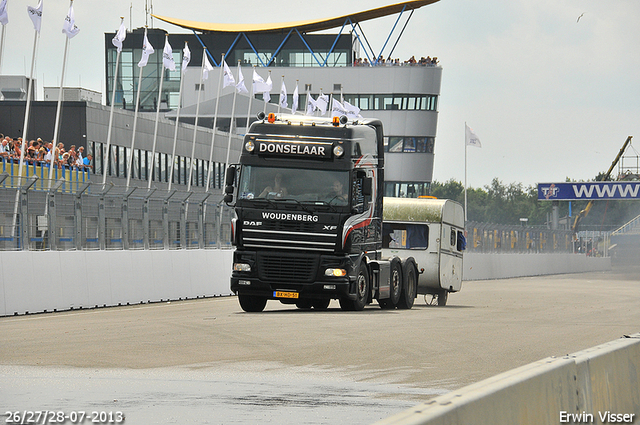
(81,216)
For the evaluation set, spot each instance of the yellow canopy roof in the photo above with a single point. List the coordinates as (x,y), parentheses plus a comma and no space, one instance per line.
(302,26)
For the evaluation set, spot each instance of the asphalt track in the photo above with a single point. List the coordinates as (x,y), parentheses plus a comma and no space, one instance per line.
(207,362)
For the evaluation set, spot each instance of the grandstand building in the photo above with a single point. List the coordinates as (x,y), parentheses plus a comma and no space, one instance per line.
(404,96)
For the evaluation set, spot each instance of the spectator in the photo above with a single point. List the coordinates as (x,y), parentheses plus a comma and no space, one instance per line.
(87,161)
(4,148)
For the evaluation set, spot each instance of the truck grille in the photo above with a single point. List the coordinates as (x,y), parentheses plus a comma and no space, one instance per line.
(290,240)
(287,268)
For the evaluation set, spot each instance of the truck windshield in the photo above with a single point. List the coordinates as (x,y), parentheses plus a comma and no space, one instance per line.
(302,185)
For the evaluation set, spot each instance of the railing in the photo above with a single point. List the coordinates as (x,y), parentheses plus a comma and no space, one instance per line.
(633,226)
(496,238)
(76,215)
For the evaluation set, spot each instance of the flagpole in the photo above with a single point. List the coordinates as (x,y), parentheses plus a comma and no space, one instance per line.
(24,130)
(246,129)
(295,99)
(465,173)
(215,123)
(135,125)
(28,103)
(105,164)
(151,167)
(279,99)
(58,109)
(265,102)
(175,133)
(2,46)
(233,110)
(195,126)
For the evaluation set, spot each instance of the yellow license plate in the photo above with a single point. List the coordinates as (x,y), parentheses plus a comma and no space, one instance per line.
(285,294)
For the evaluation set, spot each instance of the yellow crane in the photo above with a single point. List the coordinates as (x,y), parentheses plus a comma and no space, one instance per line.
(586,209)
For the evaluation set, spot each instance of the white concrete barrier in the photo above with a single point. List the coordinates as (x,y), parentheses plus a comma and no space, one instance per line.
(37,281)
(596,386)
(478,266)
(34,281)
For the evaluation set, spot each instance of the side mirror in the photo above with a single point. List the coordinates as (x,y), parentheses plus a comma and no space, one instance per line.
(367,186)
(228,190)
(228,198)
(231,176)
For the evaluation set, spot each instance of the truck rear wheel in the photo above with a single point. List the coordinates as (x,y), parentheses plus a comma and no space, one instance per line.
(410,284)
(395,286)
(363,287)
(252,303)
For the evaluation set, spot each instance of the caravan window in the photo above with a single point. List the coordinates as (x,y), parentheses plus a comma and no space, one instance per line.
(405,236)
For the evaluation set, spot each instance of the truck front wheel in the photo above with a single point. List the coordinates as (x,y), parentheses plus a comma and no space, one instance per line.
(363,287)
(252,303)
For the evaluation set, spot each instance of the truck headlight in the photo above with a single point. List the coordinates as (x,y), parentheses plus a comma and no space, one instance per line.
(249,146)
(242,267)
(338,150)
(335,272)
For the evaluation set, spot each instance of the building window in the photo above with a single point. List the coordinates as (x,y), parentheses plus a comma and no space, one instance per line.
(406,189)
(409,144)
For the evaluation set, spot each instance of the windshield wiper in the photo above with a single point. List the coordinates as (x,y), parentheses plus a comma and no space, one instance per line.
(296,201)
(324,204)
(268,201)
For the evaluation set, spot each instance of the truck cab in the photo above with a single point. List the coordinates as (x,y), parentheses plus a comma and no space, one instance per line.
(308,205)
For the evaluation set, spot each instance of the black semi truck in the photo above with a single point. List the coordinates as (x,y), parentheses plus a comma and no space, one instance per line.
(308,225)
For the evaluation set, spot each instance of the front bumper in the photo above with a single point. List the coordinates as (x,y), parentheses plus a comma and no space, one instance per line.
(294,272)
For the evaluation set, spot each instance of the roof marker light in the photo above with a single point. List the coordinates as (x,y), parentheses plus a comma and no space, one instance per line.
(272,117)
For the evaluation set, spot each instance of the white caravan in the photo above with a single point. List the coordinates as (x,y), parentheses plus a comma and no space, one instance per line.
(432,232)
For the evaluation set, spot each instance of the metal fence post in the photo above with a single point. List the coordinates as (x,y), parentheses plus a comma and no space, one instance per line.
(53,234)
(201,212)
(78,215)
(102,218)
(145,218)
(24,213)
(183,222)
(165,218)
(125,217)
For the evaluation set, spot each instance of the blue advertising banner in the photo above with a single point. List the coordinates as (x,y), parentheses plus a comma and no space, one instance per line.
(588,191)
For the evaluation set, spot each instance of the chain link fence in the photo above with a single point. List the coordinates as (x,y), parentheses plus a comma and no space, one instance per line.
(62,217)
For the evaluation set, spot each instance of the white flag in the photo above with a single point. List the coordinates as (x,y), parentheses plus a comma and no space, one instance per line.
(259,85)
(337,109)
(240,86)
(470,137)
(283,95)
(69,26)
(322,102)
(207,68)
(266,95)
(35,13)
(311,104)
(352,111)
(120,36)
(294,106)
(186,56)
(147,50)
(228,76)
(4,18)
(167,56)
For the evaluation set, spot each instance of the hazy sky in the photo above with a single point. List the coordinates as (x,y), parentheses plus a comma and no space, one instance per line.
(549,96)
